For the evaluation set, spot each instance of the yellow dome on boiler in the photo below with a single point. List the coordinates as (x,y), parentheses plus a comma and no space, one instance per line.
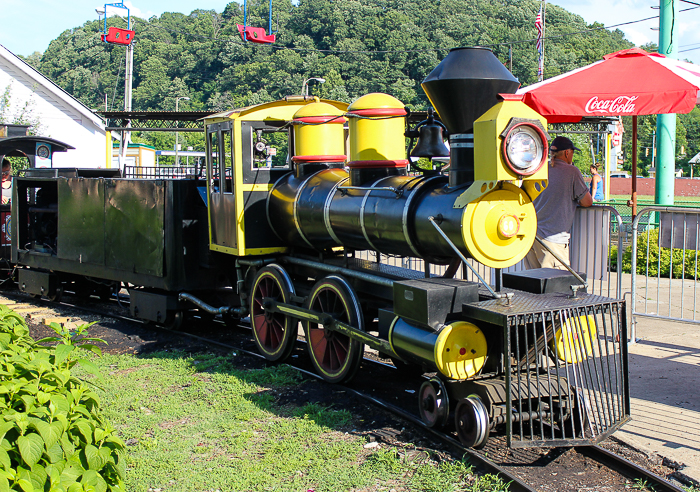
(376,100)
(319,109)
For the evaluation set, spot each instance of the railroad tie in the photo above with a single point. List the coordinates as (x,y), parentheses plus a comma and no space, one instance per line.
(60,321)
(72,325)
(26,309)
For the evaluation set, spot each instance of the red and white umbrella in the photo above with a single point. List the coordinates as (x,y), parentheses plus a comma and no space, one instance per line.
(630,82)
(627,83)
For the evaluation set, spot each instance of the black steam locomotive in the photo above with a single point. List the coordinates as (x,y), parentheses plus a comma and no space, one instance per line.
(294,189)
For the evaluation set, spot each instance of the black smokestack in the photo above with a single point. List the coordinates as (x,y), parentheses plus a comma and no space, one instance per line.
(461,88)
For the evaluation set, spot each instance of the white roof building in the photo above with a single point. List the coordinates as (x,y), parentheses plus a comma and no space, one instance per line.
(62,117)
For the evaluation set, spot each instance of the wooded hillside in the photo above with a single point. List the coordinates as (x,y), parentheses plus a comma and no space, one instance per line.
(358,46)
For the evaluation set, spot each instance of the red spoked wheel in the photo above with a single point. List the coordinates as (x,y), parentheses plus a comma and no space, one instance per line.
(335,356)
(274,333)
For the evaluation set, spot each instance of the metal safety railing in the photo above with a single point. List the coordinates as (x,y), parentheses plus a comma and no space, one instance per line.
(594,230)
(664,268)
(163,172)
(419,264)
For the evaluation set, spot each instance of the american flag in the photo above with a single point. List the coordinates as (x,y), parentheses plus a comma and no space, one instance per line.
(539,25)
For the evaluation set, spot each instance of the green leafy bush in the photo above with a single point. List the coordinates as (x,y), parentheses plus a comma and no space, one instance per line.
(683,265)
(52,436)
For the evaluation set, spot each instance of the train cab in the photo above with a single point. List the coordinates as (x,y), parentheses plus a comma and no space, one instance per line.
(248,150)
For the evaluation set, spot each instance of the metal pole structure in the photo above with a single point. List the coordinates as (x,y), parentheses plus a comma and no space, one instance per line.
(634,166)
(544,32)
(305,85)
(128,79)
(607,159)
(177,143)
(666,123)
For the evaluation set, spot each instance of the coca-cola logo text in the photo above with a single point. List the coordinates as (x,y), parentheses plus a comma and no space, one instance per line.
(619,105)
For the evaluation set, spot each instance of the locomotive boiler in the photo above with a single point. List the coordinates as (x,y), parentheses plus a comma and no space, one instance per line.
(296,189)
(478,212)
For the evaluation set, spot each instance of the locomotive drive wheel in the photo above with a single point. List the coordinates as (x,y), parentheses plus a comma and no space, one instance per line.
(274,333)
(472,422)
(57,295)
(335,356)
(433,403)
(175,322)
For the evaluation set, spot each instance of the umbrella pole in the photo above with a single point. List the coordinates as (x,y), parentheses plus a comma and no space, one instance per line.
(634,166)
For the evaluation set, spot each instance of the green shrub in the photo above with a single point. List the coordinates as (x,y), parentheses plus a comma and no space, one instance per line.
(612,258)
(660,268)
(52,436)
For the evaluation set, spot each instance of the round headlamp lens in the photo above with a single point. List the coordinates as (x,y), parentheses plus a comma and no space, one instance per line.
(525,149)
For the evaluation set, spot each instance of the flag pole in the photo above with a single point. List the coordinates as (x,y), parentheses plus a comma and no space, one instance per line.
(540,26)
(544,32)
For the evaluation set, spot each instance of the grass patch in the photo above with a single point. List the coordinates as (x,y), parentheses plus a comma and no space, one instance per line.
(200,423)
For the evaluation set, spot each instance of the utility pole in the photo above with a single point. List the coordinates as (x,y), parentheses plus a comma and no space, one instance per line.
(128,79)
(177,143)
(666,123)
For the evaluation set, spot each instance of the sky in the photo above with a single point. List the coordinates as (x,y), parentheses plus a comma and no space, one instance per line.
(27,26)
(30,25)
(615,12)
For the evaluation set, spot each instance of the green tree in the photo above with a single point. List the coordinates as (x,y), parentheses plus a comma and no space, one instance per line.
(358,46)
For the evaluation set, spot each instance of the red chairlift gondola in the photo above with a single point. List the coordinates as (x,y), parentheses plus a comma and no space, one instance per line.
(118,36)
(255,34)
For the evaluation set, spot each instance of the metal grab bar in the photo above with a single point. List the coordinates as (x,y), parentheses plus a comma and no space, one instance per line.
(397,191)
(507,295)
(574,288)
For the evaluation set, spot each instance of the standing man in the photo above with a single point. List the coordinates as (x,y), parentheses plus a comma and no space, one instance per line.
(556,206)
(6,181)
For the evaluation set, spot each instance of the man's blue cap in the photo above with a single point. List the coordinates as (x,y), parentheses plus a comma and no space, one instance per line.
(562,143)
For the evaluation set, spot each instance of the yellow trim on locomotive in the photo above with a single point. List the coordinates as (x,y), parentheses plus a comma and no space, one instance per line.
(281,111)
(222,249)
(258,187)
(460,350)
(488,157)
(499,227)
(575,343)
(264,251)
(318,131)
(237,189)
(375,136)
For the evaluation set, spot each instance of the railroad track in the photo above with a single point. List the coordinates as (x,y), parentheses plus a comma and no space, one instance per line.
(514,466)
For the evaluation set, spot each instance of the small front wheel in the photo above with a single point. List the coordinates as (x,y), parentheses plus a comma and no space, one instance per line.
(472,422)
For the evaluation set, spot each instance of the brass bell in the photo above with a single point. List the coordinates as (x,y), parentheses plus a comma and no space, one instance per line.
(431,141)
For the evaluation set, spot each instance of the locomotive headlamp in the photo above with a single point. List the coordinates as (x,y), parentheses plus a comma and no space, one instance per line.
(510,143)
(524,148)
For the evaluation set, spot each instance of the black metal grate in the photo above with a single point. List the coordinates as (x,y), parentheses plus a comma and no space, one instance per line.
(566,368)
(568,375)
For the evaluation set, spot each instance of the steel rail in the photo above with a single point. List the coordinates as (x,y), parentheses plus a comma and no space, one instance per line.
(628,468)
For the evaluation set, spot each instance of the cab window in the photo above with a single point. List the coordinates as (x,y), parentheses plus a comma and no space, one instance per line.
(270,148)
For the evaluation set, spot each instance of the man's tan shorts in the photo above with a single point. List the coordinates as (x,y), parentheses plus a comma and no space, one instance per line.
(539,257)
